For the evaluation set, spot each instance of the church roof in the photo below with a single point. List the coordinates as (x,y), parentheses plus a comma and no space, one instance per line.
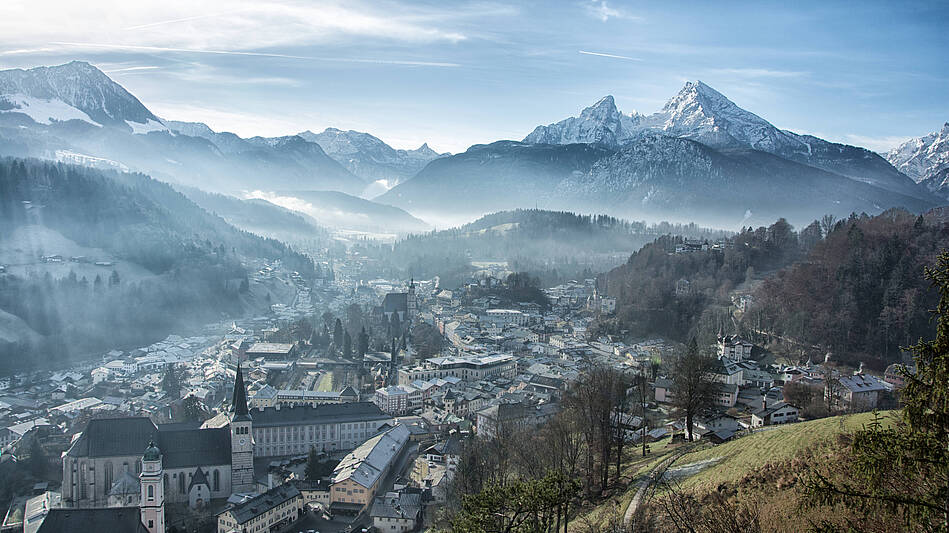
(239,402)
(195,447)
(395,302)
(125,519)
(180,447)
(109,437)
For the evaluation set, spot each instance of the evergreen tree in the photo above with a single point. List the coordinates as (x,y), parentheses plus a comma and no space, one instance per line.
(171,381)
(338,333)
(347,345)
(362,343)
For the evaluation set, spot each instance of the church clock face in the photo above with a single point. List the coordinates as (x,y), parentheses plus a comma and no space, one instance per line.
(242,441)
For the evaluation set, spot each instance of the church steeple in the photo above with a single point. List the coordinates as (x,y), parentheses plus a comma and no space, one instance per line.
(239,401)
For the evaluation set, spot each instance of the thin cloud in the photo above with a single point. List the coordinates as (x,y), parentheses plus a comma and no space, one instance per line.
(614,56)
(26,51)
(258,54)
(175,21)
(601,10)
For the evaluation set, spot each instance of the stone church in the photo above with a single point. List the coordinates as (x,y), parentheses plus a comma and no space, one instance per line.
(205,461)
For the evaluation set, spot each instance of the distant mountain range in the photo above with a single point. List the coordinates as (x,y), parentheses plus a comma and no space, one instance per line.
(700,157)
(926,160)
(370,158)
(75,113)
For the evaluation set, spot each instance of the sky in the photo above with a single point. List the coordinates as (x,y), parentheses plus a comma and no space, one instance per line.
(456,73)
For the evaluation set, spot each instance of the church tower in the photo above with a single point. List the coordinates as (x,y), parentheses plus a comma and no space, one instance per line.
(412,303)
(152,503)
(242,439)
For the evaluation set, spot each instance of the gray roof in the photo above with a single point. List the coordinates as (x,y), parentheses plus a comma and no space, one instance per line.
(365,464)
(395,302)
(318,414)
(195,447)
(861,383)
(259,505)
(110,437)
(181,445)
(405,505)
(115,519)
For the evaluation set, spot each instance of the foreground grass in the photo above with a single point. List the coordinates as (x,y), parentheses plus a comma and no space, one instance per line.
(736,458)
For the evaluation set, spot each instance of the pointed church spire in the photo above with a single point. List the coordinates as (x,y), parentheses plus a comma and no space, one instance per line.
(239,402)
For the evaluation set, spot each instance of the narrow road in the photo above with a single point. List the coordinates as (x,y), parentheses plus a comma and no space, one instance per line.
(644,484)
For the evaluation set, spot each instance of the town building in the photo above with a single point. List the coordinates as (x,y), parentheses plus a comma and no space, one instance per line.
(222,449)
(467,368)
(779,413)
(271,511)
(357,477)
(734,347)
(396,512)
(859,392)
(268,396)
(272,350)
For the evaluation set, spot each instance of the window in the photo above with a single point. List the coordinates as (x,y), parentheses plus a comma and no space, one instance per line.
(181,483)
(217,480)
(151,492)
(107,478)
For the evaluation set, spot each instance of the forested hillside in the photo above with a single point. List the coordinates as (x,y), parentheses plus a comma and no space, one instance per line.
(852,287)
(861,293)
(103,259)
(552,245)
(648,302)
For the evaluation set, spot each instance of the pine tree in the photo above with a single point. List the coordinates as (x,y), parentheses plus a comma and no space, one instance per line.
(338,333)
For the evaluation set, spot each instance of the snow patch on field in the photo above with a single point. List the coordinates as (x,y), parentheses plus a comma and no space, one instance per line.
(690,469)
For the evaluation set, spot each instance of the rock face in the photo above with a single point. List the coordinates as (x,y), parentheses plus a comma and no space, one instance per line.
(924,157)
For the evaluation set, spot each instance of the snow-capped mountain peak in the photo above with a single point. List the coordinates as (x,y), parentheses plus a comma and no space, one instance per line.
(701,113)
(602,123)
(75,90)
(922,157)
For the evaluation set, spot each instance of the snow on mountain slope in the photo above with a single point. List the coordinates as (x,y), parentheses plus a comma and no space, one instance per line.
(700,113)
(922,157)
(42,111)
(602,123)
(81,86)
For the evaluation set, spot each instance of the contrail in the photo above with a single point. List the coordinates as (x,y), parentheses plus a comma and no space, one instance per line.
(614,56)
(185,19)
(259,54)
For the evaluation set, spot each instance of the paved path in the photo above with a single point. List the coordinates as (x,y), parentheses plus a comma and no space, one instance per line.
(643,484)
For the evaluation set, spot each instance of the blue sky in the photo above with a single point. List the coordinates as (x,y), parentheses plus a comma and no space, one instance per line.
(457,73)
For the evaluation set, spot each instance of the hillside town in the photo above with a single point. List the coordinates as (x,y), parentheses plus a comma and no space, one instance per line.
(252,425)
